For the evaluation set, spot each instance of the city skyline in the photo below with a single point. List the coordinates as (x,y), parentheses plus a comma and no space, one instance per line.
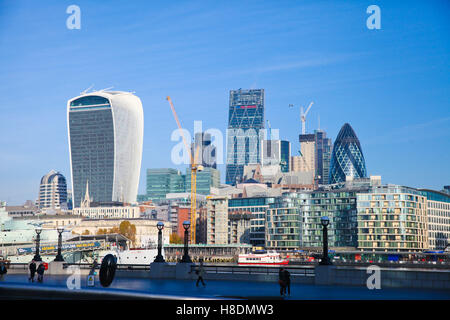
(396,98)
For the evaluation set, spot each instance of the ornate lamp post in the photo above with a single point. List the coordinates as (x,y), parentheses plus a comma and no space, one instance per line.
(59,256)
(186,258)
(159,257)
(37,257)
(325,221)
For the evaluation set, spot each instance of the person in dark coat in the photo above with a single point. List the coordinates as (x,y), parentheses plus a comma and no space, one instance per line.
(32,268)
(40,272)
(3,270)
(287,280)
(201,273)
(282,281)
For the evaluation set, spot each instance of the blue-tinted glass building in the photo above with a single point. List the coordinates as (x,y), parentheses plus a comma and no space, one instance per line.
(106,130)
(347,158)
(162,181)
(245,121)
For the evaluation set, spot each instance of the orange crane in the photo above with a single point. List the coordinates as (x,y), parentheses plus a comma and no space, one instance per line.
(195,167)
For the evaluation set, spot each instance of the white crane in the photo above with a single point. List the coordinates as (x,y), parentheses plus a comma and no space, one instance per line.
(303,116)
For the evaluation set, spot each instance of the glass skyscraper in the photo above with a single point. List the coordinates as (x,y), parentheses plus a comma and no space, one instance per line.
(323,148)
(347,158)
(245,121)
(105,141)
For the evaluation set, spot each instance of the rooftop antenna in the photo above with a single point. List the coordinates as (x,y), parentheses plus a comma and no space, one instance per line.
(85,91)
(319,120)
(105,89)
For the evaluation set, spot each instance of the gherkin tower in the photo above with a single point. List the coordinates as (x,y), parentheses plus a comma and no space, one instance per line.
(347,158)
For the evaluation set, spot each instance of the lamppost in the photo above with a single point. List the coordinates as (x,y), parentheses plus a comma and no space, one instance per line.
(159,257)
(59,256)
(37,257)
(186,258)
(325,221)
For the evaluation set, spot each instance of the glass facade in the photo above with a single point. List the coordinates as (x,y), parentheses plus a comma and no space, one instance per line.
(284,227)
(106,130)
(207,178)
(163,181)
(91,135)
(256,208)
(245,121)
(340,207)
(392,218)
(323,147)
(285,163)
(347,158)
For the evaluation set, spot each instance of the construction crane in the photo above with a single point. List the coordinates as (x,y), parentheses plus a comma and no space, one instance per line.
(303,117)
(195,167)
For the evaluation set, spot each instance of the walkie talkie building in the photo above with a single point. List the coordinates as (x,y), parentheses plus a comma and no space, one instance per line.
(105,143)
(347,158)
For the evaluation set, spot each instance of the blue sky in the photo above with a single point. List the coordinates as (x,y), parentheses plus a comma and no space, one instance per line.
(392,85)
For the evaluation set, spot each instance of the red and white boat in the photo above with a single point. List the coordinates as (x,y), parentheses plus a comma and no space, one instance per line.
(262,258)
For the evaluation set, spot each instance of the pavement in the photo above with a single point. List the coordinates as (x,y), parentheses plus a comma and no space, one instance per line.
(236,289)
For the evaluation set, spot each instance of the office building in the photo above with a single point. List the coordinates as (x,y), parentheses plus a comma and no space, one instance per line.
(105,131)
(255,208)
(323,146)
(306,161)
(206,179)
(438,213)
(203,151)
(347,159)
(53,191)
(244,134)
(160,182)
(276,152)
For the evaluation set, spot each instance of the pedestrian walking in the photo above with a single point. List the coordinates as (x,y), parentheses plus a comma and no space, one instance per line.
(32,268)
(282,281)
(40,272)
(201,273)
(94,267)
(287,280)
(3,270)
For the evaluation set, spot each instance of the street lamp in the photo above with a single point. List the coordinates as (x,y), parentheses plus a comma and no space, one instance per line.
(37,257)
(159,257)
(59,256)
(325,221)
(186,258)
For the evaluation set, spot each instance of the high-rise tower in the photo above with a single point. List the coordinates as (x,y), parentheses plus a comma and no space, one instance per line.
(105,142)
(347,159)
(245,121)
(53,191)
